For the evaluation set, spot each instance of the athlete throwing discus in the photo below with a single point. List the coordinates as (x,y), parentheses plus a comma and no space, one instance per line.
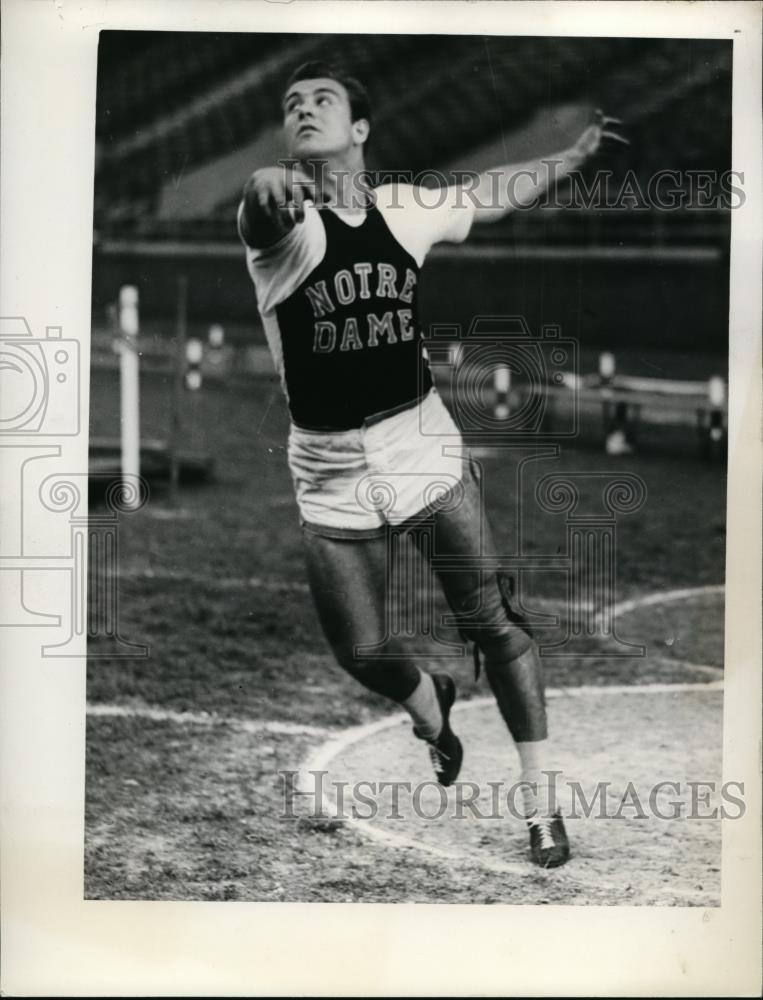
(335,275)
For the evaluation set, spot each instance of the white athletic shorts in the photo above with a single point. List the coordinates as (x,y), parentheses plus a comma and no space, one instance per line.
(353,483)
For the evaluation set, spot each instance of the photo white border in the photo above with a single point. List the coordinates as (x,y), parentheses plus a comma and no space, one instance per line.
(54,942)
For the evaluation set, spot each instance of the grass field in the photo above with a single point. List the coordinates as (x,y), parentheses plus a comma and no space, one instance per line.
(184,796)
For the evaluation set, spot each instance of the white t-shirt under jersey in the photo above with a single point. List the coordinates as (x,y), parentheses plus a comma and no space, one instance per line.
(417,218)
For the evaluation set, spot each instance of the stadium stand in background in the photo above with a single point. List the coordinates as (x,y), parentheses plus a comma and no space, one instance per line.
(174,110)
(183,118)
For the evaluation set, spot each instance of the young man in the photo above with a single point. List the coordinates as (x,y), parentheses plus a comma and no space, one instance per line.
(335,276)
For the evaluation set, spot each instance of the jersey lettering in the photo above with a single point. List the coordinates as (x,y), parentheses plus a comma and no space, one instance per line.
(387,278)
(410,283)
(406,318)
(363,270)
(346,290)
(319,299)
(325,337)
(350,332)
(350,336)
(344,287)
(381,326)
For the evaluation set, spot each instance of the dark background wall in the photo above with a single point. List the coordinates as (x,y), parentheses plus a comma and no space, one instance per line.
(606,302)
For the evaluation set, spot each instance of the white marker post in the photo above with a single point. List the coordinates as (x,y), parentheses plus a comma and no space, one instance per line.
(215,354)
(129,326)
(502,383)
(711,420)
(194,355)
(176,423)
(606,366)
(216,336)
(615,414)
(716,392)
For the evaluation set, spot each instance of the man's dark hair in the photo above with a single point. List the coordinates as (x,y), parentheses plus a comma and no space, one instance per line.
(360,105)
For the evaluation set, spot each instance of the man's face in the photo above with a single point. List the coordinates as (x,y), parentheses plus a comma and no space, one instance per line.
(318,121)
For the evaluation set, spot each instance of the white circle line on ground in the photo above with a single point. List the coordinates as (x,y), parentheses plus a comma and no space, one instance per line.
(254,726)
(323,755)
(296,586)
(702,668)
(106,710)
(222,583)
(337,744)
(665,597)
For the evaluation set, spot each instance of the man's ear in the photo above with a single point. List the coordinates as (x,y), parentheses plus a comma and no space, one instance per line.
(360,130)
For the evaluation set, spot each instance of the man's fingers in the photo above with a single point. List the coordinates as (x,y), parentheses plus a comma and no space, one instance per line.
(298,210)
(602,120)
(616,137)
(300,194)
(275,205)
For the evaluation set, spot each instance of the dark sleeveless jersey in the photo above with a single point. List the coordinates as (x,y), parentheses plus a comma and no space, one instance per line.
(350,335)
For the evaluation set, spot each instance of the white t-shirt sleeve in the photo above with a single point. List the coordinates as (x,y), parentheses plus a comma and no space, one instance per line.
(278,270)
(419,217)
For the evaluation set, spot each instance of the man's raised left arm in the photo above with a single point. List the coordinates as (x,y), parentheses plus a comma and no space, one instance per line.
(504,189)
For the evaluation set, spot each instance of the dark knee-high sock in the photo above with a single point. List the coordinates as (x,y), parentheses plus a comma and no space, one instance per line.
(394,679)
(403,682)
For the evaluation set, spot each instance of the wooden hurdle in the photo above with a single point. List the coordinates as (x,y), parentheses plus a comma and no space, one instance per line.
(625,396)
(625,399)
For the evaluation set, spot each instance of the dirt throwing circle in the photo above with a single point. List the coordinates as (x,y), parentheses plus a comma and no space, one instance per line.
(640,785)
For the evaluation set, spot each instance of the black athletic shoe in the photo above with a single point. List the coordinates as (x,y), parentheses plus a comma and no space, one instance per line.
(446,752)
(548,841)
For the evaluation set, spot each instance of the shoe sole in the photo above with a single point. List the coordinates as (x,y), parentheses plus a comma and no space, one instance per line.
(553,864)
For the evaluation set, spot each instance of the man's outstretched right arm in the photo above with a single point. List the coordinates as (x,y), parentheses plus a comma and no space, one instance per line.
(273,202)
